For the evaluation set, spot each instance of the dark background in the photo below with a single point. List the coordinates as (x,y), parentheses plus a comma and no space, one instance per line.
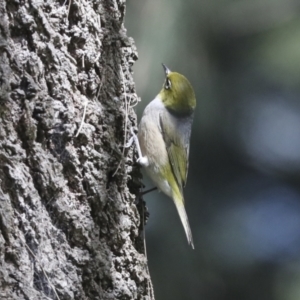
(243,192)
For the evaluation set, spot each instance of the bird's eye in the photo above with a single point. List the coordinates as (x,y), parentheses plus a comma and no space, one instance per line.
(168,84)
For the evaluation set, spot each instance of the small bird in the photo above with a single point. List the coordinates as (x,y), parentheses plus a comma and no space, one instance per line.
(163,140)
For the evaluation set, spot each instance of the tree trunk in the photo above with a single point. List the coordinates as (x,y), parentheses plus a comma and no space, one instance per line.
(69,224)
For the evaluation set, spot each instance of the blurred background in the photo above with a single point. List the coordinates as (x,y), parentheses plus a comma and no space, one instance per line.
(243,191)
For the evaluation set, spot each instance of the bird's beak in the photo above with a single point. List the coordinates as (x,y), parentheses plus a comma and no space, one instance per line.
(167,70)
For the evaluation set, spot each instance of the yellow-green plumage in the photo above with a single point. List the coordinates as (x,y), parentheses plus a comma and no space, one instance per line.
(180,96)
(164,136)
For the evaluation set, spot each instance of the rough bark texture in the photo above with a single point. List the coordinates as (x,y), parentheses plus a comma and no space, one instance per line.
(69,226)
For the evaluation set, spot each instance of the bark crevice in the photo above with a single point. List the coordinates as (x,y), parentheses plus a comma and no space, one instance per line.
(69,223)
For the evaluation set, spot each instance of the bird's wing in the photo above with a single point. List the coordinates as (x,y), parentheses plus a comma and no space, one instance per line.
(177,144)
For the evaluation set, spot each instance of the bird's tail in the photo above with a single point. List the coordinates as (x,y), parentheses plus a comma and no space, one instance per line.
(179,202)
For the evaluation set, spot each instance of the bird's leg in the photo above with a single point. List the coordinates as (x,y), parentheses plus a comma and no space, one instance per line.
(142,160)
(148,191)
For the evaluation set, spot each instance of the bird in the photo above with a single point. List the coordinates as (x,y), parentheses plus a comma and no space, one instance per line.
(163,140)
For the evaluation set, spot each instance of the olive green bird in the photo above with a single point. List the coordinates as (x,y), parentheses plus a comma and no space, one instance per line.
(163,140)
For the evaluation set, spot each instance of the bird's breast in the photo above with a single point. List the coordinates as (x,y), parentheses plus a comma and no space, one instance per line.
(153,146)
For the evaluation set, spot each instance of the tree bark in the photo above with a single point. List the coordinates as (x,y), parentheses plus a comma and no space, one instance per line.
(70,227)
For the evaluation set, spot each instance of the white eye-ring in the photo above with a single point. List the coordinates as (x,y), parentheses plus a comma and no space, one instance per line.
(168,84)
